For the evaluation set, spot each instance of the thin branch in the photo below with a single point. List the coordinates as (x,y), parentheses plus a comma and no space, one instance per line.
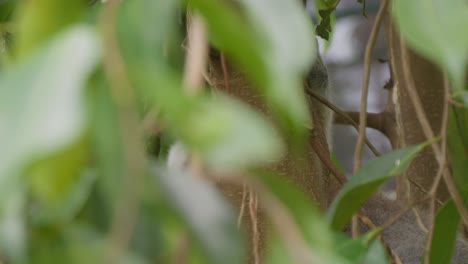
(195,64)
(374,120)
(242,208)
(253,209)
(197,54)
(365,83)
(225,72)
(324,156)
(181,249)
(285,225)
(343,115)
(427,130)
(402,212)
(442,165)
(417,185)
(127,207)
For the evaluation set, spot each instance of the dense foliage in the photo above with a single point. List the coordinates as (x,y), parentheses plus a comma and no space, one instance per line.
(92,95)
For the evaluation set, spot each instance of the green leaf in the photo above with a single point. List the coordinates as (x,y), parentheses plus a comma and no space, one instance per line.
(261,43)
(226,133)
(325,11)
(144,28)
(361,249)
(457,142)
(64,211)
(39,20)
(206,214)
(324,28)
(308,219)
(13,220)
(51,178)
(366,181)
(42,101)
(375,254)
(6,10)
(434,28)
(445,234)
(105,140)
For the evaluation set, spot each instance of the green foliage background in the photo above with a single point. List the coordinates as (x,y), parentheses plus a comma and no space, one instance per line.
(83,180)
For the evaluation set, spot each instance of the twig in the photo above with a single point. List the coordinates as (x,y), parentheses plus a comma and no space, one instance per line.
(324,156)
(455,103)
(253,209)
(402,212)
(195,64)
(225,72)
(344,116)
(285,225)
(429,134)
(197,54)
(374,120)
(365,84)
(242,208)
(127,206)
(417,185)
(181,250)
(435,185)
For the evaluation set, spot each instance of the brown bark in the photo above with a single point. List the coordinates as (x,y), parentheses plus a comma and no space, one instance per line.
(305,171)
(405,130)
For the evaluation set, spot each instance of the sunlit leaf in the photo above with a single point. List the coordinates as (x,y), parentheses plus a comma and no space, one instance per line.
(51,178)
(64,211)
(37,21)
(434,28)
(366,181)
(205,213)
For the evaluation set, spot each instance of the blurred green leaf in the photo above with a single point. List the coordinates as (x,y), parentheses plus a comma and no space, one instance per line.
(226,133)
(366,181)
(361,249)
(38,20)
(41,101)
(435,29)
(376,253)
(308,219)
(206,214)
(145,28)
(444,234)
(74,244)
(105,139)
(52,177)
(64,210)
(260,42)
(6,10)
(13,235)
(457,142)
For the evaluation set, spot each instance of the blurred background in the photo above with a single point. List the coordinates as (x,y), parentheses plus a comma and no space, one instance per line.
(344,60)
